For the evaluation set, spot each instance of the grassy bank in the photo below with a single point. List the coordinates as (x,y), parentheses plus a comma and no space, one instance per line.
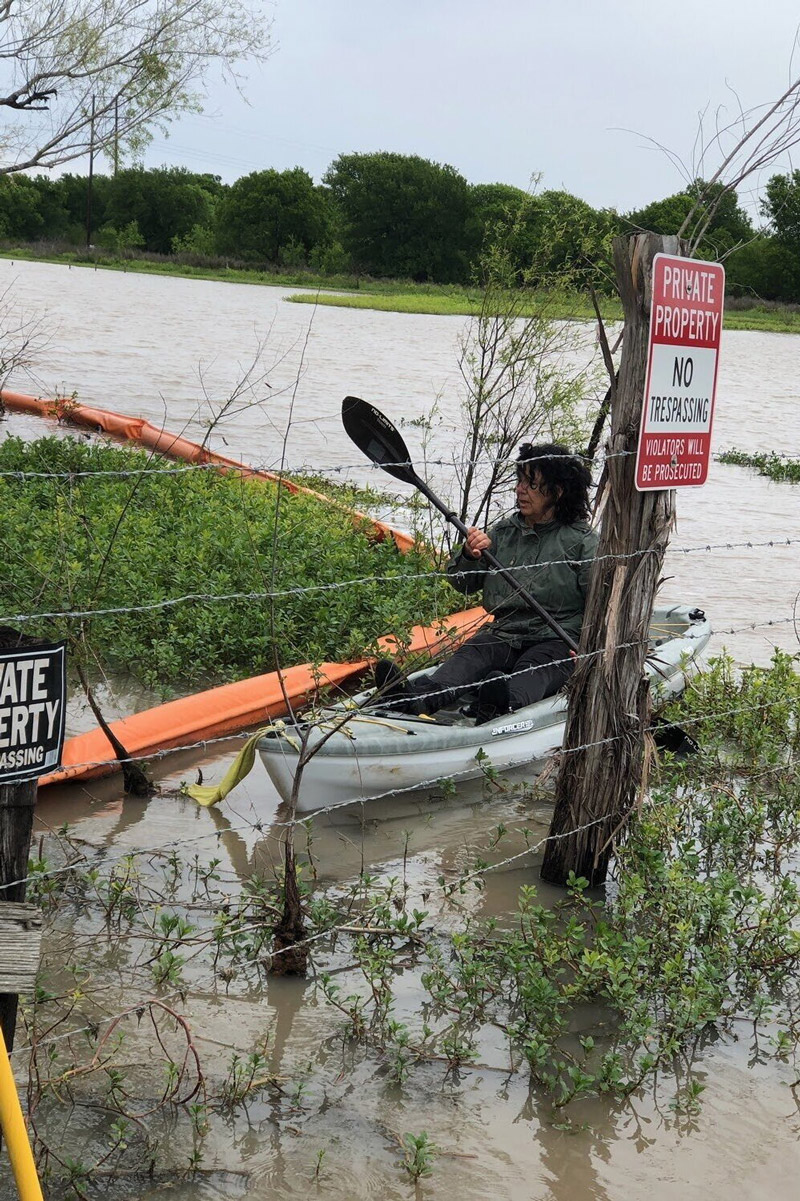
(767,318)
(451,302)
(347,291)
(391,296)
(189,268)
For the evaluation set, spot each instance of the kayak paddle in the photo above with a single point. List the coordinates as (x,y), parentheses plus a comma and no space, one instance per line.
(377,438)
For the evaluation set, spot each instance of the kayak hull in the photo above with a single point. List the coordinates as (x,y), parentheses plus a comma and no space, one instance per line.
(365,751)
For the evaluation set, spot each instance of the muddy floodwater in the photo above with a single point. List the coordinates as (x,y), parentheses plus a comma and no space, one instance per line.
(172,350)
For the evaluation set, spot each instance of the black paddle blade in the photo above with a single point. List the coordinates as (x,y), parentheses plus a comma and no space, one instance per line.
(669,737)
(375,435)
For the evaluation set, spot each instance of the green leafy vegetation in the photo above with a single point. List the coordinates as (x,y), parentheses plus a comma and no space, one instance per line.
(700,929)
(387,216)
(110,76)
(277,216)
(774,466)
(401,215)
(464,302)
(727,224)
(564,306)
(109,542)
(394,296)
(420,1153)
(766,318)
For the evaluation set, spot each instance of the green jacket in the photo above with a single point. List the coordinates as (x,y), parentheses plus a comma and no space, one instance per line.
(552,561)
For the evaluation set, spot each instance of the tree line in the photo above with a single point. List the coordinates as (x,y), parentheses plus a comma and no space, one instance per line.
(396,216)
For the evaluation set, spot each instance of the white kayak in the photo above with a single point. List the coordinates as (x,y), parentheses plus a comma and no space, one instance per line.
(368,750)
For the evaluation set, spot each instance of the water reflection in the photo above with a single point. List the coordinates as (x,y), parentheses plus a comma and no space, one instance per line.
(569,1163)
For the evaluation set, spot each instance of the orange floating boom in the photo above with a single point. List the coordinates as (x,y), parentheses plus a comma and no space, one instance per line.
(231,707)
(234,707)
(173,446)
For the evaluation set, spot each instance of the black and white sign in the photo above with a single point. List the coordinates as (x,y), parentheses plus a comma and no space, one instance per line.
(33,689)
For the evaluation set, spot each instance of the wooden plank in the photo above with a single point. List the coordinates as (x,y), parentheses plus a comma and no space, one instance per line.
(20,945)
(17,801)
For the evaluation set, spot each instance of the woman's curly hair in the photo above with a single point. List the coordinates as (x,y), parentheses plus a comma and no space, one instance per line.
(564,476)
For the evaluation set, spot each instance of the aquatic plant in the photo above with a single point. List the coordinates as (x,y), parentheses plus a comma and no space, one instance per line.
(121,547)
(774,466)
(590,996)
(420,1152)
(700,927)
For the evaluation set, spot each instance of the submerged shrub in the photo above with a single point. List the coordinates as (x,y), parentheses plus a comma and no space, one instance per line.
(775,467)
(698,930)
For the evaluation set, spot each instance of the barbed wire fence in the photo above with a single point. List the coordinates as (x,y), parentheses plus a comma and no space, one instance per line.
(108,861)
(156,470)
(315,470)
(104,860)
(310,589)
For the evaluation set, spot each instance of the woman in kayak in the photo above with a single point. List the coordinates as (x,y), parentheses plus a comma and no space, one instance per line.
(548,545)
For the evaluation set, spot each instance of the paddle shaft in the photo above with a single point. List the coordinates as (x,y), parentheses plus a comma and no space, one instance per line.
(494,563)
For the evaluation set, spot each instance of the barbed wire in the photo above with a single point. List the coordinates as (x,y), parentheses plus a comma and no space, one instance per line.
(572,659)
(205,743)
(399,578)
(346,926)
(328,932)
(288,474)
(154,471)
(261,827)
(295,474)
(247,826)
(721,456)
(584,656)
(93,1028)
(474,770)
(342,927)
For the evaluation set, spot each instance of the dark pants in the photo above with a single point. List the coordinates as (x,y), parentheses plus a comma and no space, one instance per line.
(536,671)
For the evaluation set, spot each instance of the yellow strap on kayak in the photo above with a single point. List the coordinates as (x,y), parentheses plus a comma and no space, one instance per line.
(242,766)
(363,720)
(208,794)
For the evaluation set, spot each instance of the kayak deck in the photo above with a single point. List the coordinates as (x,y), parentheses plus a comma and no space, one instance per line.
(364,748)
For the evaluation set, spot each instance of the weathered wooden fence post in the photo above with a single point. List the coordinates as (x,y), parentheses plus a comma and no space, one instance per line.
(32,700)
(601,767)
(17,803)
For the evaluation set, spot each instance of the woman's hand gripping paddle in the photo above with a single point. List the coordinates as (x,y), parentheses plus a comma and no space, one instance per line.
(377,438)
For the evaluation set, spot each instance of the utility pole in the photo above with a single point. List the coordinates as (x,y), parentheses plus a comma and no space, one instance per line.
(116,135)
(91,176)
(609,712)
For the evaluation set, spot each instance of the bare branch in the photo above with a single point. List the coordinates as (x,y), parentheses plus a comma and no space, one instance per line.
(762,139)
(105,72)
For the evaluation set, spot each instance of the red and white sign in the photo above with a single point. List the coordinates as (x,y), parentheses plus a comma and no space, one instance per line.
(678,406)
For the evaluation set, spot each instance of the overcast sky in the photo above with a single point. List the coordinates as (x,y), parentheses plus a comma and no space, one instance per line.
(500,89)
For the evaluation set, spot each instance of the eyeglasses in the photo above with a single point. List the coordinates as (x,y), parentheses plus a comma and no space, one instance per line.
(524,483)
